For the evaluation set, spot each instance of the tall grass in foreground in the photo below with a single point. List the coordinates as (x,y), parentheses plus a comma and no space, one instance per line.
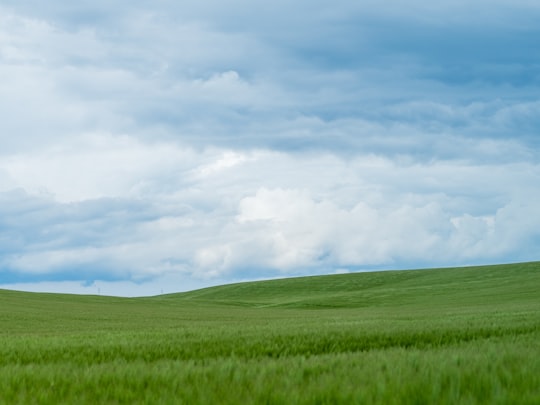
(469,335)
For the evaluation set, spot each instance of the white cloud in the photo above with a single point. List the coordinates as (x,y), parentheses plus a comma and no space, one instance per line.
(95,166)
(228,160)
(215,214)
(290,230)
(306,233)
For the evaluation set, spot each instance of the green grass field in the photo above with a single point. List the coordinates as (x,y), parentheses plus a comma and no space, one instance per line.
(444,336)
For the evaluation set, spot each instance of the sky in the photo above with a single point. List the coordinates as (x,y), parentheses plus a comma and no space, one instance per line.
(151,147)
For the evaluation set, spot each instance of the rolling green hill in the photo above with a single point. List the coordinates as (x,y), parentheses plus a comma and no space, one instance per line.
(456,335)
(475,285)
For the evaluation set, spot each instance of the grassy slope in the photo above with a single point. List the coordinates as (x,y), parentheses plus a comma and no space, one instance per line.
(474,285)
(468,335)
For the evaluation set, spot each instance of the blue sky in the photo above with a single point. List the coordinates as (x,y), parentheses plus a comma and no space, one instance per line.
(160,146)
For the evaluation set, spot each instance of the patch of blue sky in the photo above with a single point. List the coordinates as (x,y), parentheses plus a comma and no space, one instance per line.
(86,274)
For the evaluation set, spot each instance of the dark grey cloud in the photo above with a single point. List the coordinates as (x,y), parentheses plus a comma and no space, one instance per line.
(160,70)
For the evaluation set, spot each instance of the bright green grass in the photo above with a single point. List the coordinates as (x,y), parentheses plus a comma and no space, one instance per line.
(464,335)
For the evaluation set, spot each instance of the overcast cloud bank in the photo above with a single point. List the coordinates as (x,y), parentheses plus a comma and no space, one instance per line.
(156,146)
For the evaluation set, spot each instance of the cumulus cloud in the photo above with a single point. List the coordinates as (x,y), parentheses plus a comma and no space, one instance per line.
(228,215)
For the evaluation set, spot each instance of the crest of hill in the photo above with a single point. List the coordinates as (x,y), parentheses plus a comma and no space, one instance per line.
(447,286)
(493,285)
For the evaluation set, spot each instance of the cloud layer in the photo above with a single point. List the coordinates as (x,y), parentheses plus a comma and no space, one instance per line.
(148,144)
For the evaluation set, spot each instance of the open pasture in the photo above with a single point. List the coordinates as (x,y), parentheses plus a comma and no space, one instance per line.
(461,335)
